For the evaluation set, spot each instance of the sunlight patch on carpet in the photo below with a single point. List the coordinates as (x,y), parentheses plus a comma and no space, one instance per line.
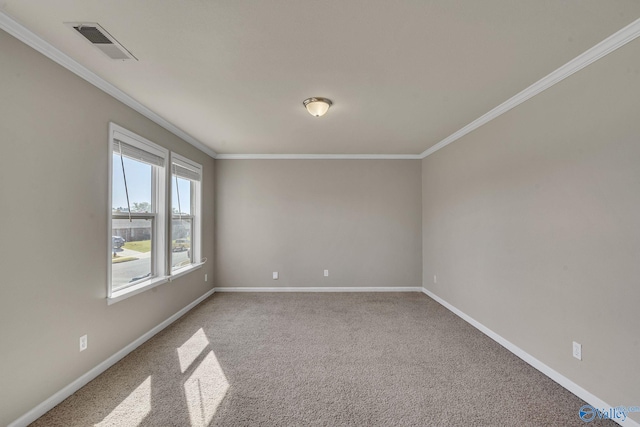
(204,390)
(132,410)
(191,349)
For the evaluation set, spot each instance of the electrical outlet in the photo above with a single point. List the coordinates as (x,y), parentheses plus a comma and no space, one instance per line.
(435,279)
(275,275)
(206,276)
(577,350)
(83,343)
(326,273)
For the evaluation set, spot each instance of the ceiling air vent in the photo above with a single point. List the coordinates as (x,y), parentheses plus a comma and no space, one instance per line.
(100,38)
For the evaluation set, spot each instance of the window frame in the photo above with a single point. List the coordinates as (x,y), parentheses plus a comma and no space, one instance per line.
(159,274)
(196,216)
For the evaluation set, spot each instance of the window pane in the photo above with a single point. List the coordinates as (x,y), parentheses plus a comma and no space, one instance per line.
(181,253)
(184,189)
(138,184)
(131,251)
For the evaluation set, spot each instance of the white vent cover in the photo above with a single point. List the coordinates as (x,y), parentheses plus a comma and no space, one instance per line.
(100,38)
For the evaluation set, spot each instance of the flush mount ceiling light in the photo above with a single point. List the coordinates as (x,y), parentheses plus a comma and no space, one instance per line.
(317,107)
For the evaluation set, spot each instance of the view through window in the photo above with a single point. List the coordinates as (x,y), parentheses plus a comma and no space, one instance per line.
(138,225)
(132,238)
(185,212)
(182,222)
(144,251)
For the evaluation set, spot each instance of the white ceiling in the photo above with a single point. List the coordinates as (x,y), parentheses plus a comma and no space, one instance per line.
(403,75)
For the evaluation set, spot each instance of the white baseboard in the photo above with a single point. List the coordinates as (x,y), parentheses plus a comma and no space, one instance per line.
(549,372)
(335,289)
(58,397)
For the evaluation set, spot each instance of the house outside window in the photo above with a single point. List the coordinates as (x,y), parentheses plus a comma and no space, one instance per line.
(186,213)
(137,220)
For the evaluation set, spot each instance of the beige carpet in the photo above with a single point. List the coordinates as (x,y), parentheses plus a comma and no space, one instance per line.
(325,359)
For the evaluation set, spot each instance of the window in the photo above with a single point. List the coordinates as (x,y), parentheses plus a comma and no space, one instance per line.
(186,212)
(137,221)
(151,240)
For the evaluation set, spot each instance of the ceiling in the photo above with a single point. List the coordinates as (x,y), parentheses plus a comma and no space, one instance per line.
(403,75)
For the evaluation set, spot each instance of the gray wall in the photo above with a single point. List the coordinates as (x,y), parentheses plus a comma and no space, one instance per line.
(53,256)
(360,219)
(530,223)
(532,226)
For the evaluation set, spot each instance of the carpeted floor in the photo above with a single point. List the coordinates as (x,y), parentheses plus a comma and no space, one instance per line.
(327,359)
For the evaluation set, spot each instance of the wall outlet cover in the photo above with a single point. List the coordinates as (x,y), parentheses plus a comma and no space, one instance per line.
(577,350)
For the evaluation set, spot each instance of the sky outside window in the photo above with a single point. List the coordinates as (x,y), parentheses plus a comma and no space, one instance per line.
(138,183)
(184,185)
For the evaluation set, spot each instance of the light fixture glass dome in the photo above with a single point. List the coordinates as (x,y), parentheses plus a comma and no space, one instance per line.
(317,106)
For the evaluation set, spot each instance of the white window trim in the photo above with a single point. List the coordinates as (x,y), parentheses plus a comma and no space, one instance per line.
(185,270)
(136,289)
(159,233)
(196,233)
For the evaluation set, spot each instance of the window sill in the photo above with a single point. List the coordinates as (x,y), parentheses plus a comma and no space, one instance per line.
(149,284)
(184,270)
(134,290)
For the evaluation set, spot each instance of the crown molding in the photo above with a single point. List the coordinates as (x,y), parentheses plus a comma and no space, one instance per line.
(318,157)
(22,33)
(608,45)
